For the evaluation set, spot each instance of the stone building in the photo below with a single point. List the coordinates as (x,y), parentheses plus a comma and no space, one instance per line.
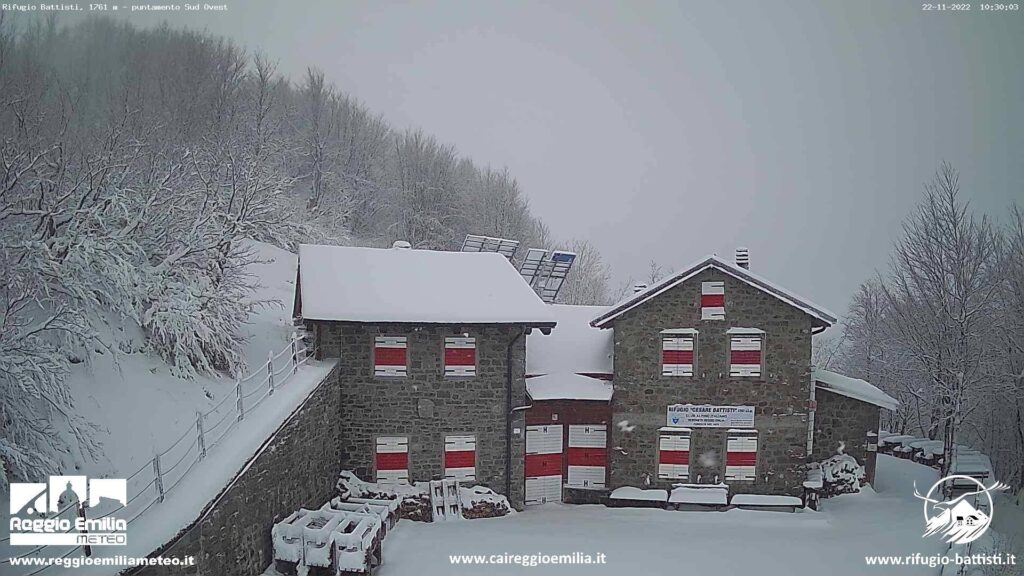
(451,366)
(846,418)
(432,371)
(713,381)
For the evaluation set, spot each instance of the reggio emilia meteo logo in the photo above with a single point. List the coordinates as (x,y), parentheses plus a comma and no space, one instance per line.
(54,513)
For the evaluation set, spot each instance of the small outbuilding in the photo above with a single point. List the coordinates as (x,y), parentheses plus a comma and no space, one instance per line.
(569,374)
(847,417)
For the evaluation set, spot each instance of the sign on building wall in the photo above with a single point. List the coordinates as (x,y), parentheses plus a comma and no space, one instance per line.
(708,416)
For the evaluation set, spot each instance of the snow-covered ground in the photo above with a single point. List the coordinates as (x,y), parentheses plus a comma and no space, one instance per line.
(651,541)
(140,409)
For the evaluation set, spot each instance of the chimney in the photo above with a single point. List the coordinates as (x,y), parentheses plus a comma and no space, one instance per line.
(639,287)
(401,245)
(743,258)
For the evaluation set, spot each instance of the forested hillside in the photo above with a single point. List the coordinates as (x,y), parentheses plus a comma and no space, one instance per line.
(135,162)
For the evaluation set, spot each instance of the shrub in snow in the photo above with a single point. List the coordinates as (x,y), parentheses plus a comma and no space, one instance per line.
(193,316)
(842,474)
(482,502)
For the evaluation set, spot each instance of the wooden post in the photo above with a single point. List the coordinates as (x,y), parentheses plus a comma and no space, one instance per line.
(200,434)
(81,514)
(238,400)
(159,478)
(270,371)
(295,355)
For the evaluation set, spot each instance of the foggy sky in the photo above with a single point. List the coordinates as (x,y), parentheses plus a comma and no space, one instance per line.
(667,131)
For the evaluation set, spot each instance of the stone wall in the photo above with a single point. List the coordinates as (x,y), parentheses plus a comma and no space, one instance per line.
(425,406)
(298,469)
(840,419)
(779,396)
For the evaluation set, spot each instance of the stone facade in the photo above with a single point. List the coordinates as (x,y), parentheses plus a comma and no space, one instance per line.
(780,396)
(298,469)
(841,419)
(424,405)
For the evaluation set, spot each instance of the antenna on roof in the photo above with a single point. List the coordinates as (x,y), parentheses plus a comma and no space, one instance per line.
(546,276)
(503,246)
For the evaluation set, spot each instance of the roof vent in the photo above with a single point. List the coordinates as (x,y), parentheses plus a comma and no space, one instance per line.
(401,245)
(743,258)
(639,287)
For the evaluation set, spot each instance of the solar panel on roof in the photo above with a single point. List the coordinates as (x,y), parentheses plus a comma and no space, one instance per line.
(478,243)
(552,274)
(532,263)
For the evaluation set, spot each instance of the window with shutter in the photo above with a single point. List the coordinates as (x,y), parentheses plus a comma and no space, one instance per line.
(746,351)
(459,357)
(391,459)
(674,455)
(712,300)
(678,352)
(460,457)
(741,456)
(389,356)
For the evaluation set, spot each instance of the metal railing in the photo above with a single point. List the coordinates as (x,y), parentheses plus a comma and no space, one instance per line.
(150,484)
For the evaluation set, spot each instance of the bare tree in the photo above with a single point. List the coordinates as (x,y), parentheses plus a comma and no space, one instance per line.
(941,292)
(587,282)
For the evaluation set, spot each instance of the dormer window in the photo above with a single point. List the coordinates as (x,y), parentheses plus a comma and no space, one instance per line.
(746,352)
(712,300)
(678,352)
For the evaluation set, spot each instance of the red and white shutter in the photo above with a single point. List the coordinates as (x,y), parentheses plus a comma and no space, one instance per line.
(460,457)
(677,353)
(741,457)
(745,354)
(392,459)
(712,300)
(543,464)
(459,357)
(389,358)
(586,455)
(674,455)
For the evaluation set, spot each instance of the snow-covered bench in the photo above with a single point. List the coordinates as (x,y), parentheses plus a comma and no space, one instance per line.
(387,510)
(888,444)
(766,502)
(328,540)
(286,536)
(927,452)
(813,486)
(699,497)
(630,497)
(356,545)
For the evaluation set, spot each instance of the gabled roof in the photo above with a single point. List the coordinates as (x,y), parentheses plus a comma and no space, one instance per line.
(573,346)
(823,317)
(853,388)
(379,285)
(568,387)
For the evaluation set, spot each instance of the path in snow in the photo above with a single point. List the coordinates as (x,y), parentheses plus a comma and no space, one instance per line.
(836,540)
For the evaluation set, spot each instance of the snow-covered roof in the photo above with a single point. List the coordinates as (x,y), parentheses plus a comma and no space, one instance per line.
(821,314)
(853,388)
(573,346)
(352,284)
(568,387)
